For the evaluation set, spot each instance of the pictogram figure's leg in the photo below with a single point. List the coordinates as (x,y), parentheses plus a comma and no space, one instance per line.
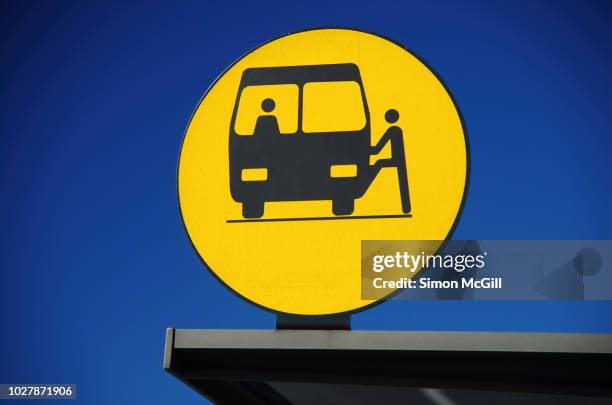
(398,156)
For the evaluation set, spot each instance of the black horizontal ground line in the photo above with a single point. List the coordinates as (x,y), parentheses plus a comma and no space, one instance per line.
(231,221)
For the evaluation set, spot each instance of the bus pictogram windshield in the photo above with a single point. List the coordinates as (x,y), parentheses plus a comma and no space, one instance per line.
(326,107)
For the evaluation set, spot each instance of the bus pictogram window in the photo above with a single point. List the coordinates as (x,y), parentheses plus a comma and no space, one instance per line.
(285,107)
(333,107)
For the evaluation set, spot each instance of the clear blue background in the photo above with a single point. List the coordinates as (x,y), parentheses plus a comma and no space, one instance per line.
(94,99)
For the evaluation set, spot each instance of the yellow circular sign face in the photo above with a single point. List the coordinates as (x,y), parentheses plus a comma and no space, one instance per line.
(307,146)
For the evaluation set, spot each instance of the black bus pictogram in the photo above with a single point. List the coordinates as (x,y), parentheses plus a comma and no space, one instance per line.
(298,165)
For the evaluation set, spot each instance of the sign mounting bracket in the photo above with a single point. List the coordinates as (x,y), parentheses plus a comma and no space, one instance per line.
(310,322)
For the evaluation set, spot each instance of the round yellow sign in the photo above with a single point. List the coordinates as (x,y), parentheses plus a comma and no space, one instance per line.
(308,145)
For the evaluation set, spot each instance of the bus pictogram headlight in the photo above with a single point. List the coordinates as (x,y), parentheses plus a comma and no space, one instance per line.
(254,174)
(343,170)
